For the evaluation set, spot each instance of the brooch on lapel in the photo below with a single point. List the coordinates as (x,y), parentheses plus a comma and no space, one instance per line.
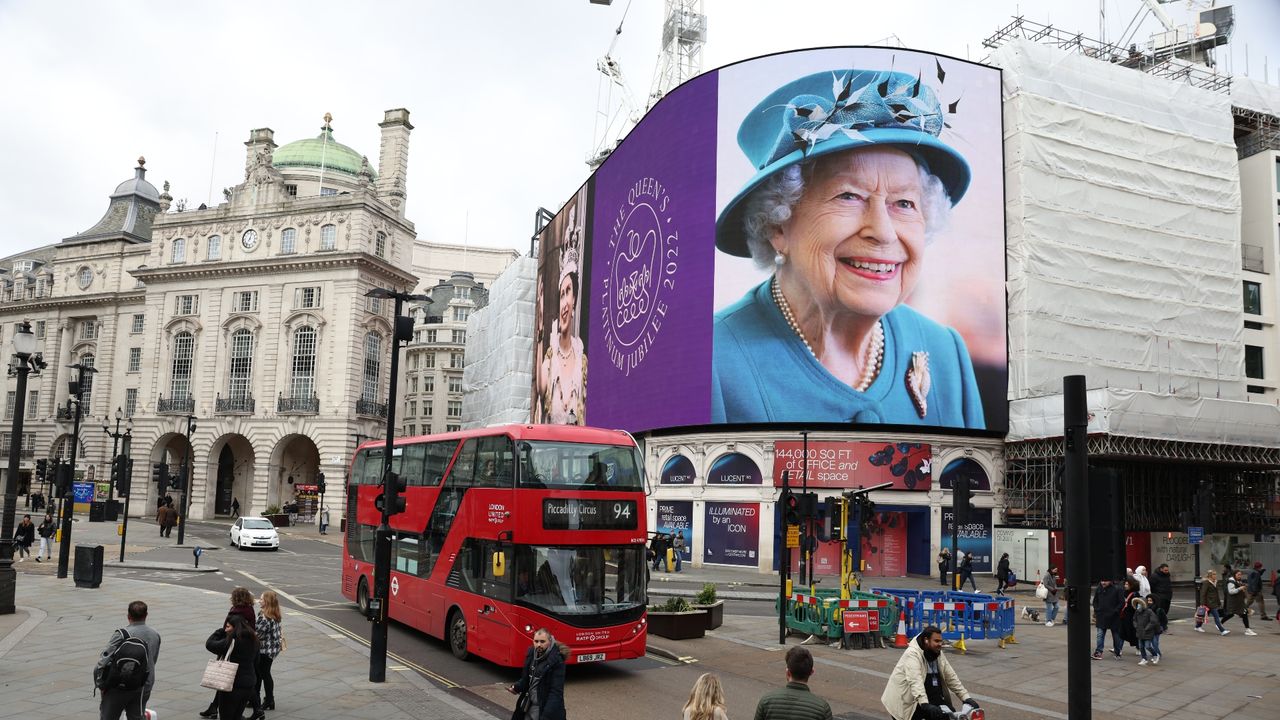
(919,382)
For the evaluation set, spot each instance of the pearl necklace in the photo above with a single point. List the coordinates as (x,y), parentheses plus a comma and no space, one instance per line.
(875,351)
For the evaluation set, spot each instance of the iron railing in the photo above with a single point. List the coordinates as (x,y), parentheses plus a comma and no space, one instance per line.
(186,405)
(298,405)
(243,404)
(67,414)
(371,408)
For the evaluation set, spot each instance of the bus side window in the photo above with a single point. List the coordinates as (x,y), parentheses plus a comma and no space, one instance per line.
(437,460)
(411,464)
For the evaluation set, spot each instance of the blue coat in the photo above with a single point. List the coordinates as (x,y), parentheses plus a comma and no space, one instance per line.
(762,372)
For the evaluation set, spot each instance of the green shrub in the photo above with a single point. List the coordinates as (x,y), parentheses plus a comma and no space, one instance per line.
(674,604)
(707,595)
(272,510)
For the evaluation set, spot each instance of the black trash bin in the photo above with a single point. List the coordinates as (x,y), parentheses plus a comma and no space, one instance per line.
(97,511)
(88,570)
(112,513)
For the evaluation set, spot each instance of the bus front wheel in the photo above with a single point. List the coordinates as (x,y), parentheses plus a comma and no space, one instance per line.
(362,597)
(458,635)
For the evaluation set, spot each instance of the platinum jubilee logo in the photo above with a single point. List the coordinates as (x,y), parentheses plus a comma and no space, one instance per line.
(644,252)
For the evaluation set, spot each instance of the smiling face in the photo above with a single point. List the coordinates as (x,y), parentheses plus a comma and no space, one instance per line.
(856,237)
(567,300)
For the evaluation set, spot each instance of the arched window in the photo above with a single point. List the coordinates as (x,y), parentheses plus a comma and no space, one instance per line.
(241,387)
(302,383)
(179,251)
(86,396)
(288,241)
(380,245)
(328,237)
(215,247)
(372,366)
(184,344)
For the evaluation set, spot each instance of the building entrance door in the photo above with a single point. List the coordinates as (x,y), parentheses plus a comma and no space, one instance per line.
(1030,556)
(226,481)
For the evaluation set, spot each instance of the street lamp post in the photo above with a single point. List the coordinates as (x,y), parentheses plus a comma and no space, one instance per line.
(115,444)
(403,332)
(186,481)
(68,500)
(24,360)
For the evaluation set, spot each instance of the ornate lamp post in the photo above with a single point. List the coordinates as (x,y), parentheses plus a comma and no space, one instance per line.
(25,360)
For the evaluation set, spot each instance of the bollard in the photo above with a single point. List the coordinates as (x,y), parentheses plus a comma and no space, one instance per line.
(198,551)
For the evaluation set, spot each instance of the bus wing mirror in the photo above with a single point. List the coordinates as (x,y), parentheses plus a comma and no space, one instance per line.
(499,563)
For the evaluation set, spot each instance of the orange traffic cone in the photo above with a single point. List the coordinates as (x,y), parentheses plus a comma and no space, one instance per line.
(900,641)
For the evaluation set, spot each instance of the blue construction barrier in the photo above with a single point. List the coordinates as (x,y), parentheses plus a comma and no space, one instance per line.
(960,615)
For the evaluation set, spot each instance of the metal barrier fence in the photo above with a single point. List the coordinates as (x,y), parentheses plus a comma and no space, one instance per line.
(961,616)
(823,614)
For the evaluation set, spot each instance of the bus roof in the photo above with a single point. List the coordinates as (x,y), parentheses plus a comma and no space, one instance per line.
(554,433)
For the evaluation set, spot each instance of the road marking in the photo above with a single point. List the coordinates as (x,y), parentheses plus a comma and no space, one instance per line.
(409,664)
(277,591)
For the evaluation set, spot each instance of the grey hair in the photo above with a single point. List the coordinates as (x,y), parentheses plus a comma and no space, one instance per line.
(769,207)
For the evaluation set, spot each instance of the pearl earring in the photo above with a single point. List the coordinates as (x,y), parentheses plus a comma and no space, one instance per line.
(779,259)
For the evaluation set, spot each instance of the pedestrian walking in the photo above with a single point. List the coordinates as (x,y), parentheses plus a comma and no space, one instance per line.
(1253,585)
(1127,631)
(677,545)
(1107,600)
(1234,602)
(706,700)
(270,645)
(966,572)
(241,607)
(1146,628)
(120,667)
(160,516)
(541,684)
(1050,584)
(1002,574)
(48,528)
(944,564)
(324,520)
(1210,601)
(24,536)
(1144,583)
(235,508)
(659,551)
(1162,593)
(235,641)
(795,701)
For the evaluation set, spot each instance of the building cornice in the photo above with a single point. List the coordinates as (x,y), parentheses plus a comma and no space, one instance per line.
(55,303)
(228,212)
(318,261)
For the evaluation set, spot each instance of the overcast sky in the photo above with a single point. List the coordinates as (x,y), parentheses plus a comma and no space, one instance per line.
(503,94)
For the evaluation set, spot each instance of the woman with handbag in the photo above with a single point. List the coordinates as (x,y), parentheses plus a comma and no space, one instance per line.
(270,644)
(241,606)
(236,645)
(1210,601)
(541,686)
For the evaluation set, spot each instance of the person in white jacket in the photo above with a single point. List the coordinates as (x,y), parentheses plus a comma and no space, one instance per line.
(919,684)
(1144,583)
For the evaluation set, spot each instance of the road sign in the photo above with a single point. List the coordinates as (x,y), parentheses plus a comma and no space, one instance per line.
(1195,535)
(861,621)
(793,536)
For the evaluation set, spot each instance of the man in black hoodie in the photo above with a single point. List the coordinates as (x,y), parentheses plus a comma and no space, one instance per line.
(1162,591)
(1107,602)
(1253,584)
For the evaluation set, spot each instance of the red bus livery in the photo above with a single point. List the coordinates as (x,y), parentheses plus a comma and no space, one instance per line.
(507,530)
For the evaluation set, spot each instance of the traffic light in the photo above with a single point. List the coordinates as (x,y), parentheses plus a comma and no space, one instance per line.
(42,470)
(122,471)
(62,479)
(832,525)
(160,476)
(395,486)
(115,470)
(961,499)
(808,504)
(791,507)
(179,479)
(320,483)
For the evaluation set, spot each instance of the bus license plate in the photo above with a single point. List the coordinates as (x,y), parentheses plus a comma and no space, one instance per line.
(591,657)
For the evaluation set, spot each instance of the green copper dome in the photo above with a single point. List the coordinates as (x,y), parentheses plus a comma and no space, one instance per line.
(322,150)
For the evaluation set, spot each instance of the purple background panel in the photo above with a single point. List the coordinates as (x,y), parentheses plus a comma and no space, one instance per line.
(675,516)
(652,265)
(731,533)
(678,470)
(734,469)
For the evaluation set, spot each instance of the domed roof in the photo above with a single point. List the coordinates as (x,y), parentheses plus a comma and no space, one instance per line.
(137,185)
(322,150)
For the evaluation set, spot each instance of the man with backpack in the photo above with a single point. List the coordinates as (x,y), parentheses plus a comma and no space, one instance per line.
(125,672)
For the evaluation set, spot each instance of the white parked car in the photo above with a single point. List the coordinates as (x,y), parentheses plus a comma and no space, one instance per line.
(254,532)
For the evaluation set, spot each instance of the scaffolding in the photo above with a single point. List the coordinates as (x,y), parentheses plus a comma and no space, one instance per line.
(1255,131)
(1160,478)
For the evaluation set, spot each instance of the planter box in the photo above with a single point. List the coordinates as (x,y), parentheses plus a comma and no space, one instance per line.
(280,520)
(715,613)
(678,625)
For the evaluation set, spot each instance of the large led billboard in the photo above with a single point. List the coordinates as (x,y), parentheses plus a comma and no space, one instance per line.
(814,236)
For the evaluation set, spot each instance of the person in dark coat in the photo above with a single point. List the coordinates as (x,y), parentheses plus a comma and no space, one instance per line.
(944,564)
(1162,593)
(1253,584)
(1146,627)
(541,685)
(1211,600)
(1107,601)
(966,572)
(1235,601)
(24,536)
(1002,574)
(244,652)
(241,607)
(1127,632)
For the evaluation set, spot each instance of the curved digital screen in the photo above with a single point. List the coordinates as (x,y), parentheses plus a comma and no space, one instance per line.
(814,236)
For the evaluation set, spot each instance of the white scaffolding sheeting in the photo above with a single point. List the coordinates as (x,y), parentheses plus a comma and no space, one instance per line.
(1117,411)
(1257,96)
(497,379)
(1123,226)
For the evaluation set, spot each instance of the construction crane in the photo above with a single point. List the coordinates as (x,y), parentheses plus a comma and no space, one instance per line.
(684,32)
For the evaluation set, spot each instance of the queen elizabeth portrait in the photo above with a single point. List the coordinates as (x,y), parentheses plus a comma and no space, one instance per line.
(852,183)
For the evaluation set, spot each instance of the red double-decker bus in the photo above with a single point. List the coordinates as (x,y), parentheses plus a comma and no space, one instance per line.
(506,530)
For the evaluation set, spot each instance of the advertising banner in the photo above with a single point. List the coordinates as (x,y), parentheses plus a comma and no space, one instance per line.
(677,470)
(1176,552)
(974,537)
(825,559)
(734,469)
(731,534)
(884,549)
(667,276)
(676,516)
(853,464)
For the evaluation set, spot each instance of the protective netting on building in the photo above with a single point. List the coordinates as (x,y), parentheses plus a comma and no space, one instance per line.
(498,375)
(1123,216)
